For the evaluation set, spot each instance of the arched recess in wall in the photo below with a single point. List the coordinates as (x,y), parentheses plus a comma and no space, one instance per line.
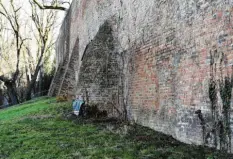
(99,79)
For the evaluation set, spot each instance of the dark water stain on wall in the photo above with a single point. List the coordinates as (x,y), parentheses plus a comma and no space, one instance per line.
(220,132)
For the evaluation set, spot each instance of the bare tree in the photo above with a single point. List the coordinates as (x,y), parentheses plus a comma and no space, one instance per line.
(6,45)
(44,23)
(12,16)
(55,4)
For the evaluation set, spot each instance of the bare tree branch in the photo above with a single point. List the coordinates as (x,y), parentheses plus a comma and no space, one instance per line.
(44,22)
(22,42)
(12,16)
(55,6)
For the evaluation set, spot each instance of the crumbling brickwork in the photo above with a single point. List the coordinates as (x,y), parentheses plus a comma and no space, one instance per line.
(157,58)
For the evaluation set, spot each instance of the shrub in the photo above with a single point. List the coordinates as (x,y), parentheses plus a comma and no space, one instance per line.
(62,98)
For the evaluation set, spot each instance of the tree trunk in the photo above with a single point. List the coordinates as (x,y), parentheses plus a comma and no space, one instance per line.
(11,90)
(41,81)
(38,67)
(32,84)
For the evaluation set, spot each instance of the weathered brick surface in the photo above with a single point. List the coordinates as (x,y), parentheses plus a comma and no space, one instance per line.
(99,73)
(68,86)
(162,51)
(63,56)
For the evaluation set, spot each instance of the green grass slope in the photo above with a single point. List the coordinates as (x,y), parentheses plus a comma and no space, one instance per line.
(39,129)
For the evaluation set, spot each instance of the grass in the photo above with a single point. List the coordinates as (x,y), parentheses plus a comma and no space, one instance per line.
(43,129)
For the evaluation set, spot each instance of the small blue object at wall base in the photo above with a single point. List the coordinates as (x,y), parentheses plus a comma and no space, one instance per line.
(76,104)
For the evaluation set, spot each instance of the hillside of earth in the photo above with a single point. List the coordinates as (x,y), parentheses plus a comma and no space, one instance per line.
(43,128)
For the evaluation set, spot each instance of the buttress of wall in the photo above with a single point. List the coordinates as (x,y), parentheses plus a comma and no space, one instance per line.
(62,56)
(99,76)
(69,84)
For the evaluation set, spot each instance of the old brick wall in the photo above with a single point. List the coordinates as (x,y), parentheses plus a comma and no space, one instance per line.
(62,55)
(99,78)
(165,52)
